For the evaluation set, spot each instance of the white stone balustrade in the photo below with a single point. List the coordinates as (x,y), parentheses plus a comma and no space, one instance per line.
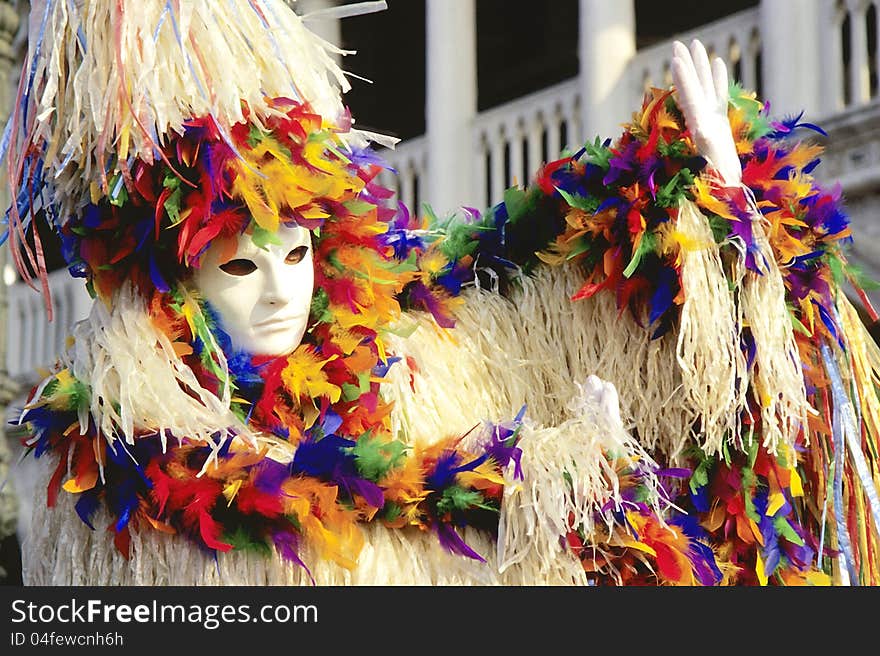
(735,38)
(410,162)
(791,51)
(509,144)
(852,58)
(34,343)
(512,140)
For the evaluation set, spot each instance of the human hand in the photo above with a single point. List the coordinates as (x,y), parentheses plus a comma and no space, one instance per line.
(703,98)
(602,397)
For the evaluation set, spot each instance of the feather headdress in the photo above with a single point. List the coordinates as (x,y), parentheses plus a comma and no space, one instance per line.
(108,86)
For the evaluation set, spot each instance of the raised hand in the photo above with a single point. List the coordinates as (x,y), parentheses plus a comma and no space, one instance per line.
(703,98)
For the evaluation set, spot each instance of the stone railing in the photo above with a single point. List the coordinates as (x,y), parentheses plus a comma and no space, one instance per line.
(852,58)
(512,140)
(410,161)
(735,38)
(34,343)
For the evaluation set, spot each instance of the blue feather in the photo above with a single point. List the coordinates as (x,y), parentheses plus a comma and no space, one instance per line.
(86,506)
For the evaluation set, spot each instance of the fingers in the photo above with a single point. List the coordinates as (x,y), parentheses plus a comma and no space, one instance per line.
(703,96)
(593,388)
(610,401)
(719,74)
(684,76)
(704,71)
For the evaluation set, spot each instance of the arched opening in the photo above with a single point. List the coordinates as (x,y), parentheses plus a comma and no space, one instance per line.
(846,57)
(735,60)
(871,32)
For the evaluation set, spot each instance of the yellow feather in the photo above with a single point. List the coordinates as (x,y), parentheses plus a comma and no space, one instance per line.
(776,501)
(641,546)
(759,570)
(81,484)
(795,484)
(705,199)
(231,490)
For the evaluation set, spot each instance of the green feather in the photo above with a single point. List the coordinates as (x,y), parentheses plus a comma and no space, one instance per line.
(759,124)
(350,392)
(670,194)
(321,306)
(241,539)
(172,206)
(647,245)
(262,237)
(391,511)
(456,497)
(375,457)
(598,154)
(585,203)
(784,529)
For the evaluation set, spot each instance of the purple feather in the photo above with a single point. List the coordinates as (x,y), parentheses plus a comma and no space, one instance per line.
(675,472)
(331,422)
(361,157)
(288,547)
(371,492)
(269,475)
(447,468)
(452,542)
(421,296)
(502,446)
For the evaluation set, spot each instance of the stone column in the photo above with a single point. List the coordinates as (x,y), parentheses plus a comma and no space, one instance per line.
(607,43)
(451,103)
(9,557)
(327,27)
(792,56)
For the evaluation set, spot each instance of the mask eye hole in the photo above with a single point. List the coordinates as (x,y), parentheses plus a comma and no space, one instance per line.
(239,267)
(296,255)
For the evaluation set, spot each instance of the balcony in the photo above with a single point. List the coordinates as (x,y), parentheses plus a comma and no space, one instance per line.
(510,141)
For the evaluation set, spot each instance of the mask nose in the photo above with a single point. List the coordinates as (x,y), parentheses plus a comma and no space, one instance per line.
(276,289)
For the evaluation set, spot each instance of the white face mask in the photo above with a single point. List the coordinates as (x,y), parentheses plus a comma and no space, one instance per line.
(263,296)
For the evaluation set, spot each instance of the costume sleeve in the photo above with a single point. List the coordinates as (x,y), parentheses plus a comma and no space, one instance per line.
(722,316)
(585,500)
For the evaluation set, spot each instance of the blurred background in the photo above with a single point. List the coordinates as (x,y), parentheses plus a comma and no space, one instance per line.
(481,93)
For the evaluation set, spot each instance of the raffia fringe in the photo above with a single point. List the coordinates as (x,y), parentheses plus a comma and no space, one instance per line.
(62,551)
(530,350)
(440,388)
(112,79)
(530,549)
(714,380)
(537,510)
(137,380)
(777,380)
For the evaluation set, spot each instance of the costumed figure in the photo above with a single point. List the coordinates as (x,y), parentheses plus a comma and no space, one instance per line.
(286,379)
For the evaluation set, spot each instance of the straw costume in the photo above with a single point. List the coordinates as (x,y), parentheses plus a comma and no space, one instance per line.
(439,423)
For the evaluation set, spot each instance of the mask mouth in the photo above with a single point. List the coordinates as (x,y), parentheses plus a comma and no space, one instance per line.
(279,321)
